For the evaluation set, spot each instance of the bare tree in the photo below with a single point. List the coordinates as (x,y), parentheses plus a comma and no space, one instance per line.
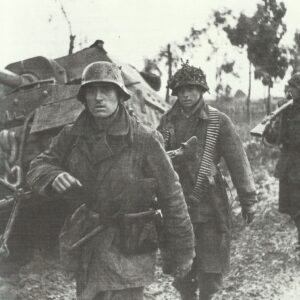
(71,35)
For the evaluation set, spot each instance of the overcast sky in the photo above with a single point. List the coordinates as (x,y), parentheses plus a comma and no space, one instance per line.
(131,29)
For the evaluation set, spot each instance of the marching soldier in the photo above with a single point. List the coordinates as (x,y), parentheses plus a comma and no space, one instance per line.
(202,182)
(115,166)
(284,131)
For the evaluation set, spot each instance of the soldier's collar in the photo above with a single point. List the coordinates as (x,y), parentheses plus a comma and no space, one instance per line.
(204,112)
(119,127)
(200,109)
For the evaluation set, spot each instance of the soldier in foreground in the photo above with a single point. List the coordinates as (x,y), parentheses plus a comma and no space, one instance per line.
(202,182)
(115,166)
(284,131)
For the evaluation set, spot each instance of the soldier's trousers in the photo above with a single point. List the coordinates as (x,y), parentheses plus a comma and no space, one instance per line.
(126,294)
(212,257)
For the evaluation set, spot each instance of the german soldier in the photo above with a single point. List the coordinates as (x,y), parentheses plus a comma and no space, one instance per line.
(116,166)
(284,131)
(202,182)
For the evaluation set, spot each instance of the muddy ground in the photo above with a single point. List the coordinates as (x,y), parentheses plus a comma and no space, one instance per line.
(264,263)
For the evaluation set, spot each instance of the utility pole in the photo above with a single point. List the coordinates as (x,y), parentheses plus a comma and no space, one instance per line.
(169,63)
(248,100)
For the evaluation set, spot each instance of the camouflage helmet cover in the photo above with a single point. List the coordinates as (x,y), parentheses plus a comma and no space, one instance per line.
(187,75)
(295,80)
(102,71)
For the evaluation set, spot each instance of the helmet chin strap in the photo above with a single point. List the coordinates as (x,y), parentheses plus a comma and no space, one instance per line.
(113,114)
(104,122)
(188,111)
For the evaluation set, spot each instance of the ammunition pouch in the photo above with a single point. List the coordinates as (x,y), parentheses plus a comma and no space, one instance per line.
(137,216)
(138,232)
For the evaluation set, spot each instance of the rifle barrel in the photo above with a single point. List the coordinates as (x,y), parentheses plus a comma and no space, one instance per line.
(259,129)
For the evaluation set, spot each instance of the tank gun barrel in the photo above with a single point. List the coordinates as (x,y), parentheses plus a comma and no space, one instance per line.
(11,79)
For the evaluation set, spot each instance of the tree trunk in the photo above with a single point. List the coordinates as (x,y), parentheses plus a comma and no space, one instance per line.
(248,100)
(169,72)
(71,43)
(269,100)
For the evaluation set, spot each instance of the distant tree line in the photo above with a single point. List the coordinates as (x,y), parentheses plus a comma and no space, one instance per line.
(259,37)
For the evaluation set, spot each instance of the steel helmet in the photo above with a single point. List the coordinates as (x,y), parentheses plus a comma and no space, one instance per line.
(102,71)
(187,75)
(295,80)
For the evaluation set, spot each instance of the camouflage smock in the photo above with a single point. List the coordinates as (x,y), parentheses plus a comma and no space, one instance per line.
(213,256)
(126,155)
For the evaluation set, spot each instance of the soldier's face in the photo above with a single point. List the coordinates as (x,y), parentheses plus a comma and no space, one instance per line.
(189,96)
(102,99)
(293,93)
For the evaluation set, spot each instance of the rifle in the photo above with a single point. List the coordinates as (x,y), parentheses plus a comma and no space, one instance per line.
(258,130)
(186,149)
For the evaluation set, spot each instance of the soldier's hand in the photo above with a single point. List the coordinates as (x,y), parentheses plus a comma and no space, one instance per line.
(183,269)
(64,182)
(248,213)
(172,153)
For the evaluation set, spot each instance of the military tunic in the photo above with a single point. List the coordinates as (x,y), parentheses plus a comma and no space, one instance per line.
(109,165)
(212,248)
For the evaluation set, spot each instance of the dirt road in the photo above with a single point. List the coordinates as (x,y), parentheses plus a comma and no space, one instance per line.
(292,292)
(264,264)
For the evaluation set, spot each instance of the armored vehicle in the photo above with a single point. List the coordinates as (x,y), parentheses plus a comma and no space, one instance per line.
(37,98)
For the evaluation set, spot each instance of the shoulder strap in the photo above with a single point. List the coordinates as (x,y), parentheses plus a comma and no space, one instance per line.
(212,133)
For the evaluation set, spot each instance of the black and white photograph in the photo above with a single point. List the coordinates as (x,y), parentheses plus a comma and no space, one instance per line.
(149,149)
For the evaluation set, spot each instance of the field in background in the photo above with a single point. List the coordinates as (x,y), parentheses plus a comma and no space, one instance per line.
(236,110)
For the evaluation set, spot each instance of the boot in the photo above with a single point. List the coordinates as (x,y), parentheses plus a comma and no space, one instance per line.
(188,295)
(206,297)
(210,284)
(187,289)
